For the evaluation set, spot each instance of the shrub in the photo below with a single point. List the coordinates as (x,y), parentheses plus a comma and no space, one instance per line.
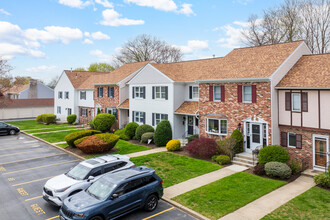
(259,169)
(98,111)
(76,142)
(111,139)
(49,118)
(146,136)
(71,118)
(103,122)
(141,130)
(70,138)
(214,157)
(173,145)
(90,123)
(93,145)
(223,159)
(237,135)
(227,146)
(278,169)
(39,119)
(163,133)
(121,134)
(273,153)
(295,166)
(323,179)
(204,147)
(130,129)
(192,137)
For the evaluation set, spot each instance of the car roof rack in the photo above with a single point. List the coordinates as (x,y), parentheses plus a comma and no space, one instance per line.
(138,174)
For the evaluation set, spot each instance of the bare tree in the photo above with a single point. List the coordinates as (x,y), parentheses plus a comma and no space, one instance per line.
(145,47)
(53,82)
(5,79)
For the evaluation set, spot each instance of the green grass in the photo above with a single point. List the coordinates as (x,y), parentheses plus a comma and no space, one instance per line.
(228,194)
(56,136)
(47,130)
(123,147)
(174,168)
(62,145)
(312,204)
(32,124)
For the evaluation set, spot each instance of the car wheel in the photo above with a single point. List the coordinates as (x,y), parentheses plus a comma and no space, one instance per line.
(151,203)
(96,218)
(12,132)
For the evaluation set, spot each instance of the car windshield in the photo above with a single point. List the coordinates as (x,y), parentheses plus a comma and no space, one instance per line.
(79,172)
(101,189)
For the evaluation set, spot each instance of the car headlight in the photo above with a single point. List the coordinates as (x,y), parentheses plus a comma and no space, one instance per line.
(61,190)
(80,215)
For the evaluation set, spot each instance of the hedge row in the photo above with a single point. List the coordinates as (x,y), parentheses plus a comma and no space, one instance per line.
(71,138)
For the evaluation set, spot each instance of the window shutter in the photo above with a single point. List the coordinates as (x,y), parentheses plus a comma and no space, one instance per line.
(144,117)
(190,92)
(304,101)
(166,92)
(211,93)
(222,93)
(153,92)
(288,101)
(298,141)
(144,92)
(284,139)
(133,115)
(98,92)
(109,95)
(239,93)
(133,88)
(81,112)
(196,122)
(254,93)
(153,119)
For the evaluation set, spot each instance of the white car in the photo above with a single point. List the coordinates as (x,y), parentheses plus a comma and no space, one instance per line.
(82,176)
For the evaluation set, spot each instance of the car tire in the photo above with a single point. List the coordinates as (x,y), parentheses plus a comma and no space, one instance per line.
(151,203)
(12,132)
(96,218)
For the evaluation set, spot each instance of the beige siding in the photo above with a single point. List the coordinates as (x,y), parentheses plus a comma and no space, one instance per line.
(284,116)
(311,118)
(296,119)
(325,109)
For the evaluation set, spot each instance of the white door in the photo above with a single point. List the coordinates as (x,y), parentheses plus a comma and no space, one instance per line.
(321,151)
(254,136)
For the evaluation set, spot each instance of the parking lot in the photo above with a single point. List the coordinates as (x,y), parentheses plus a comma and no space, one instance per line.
(25,166)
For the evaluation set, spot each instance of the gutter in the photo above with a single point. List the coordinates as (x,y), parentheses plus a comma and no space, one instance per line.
(106,84)
(263,79)
(304,88)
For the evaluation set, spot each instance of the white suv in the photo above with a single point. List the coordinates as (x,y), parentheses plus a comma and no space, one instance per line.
(82,176)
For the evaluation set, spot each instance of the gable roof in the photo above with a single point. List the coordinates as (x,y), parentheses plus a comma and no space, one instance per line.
(250,62)
(17,89)
(310,71)
(79,78)
(188,107)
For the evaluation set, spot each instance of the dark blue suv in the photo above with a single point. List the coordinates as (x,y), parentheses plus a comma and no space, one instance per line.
(115,195)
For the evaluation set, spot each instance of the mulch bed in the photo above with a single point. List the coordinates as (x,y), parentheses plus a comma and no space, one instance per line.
(291,179)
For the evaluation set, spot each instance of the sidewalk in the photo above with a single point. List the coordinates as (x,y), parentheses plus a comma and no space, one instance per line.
(146,152)
(268,203)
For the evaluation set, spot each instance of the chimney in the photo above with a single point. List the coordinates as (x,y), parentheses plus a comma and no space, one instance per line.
(33,90)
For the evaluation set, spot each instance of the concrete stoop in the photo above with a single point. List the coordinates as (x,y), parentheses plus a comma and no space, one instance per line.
(183,142)
(244,159)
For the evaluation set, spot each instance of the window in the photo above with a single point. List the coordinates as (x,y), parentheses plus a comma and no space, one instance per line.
(60,95)
(247,94)
(195,92)
(2,125)
(100,92)
(83,95)
(112,111)
(139,117)
(292,139)
(157,117)
(69,111)
(58,109)
(111,92)
(216,126)
(217,93)
(66,95)
(296,102)
(84,112)
(160,92)
(139,92)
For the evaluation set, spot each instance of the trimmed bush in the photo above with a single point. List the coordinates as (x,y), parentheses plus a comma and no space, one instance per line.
(76,142)
(130,129)
(323,179)
(111,139)
(273,153)
(192,137)
(146,136)
(173,145)
(204,147)
(93,145)
(71,119)
(90,123)
(278,169)
(223,159)
(226,146)
(141,130)
(39,119)
(214,158)
(163,133)
(70,138)
(103,122)
(259,169)
(49,119)
(121,134)
(237,135)
(295,166)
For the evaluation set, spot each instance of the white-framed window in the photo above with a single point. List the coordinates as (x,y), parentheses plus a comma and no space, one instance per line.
(139,92)
(100,92)
(292,140)
(69,111)
(195,94)
(112,111)
(217,93)
(247,93)
(60,95)
(111,92)
(58,109)
(83,95)
(216,126)
(158,118)
(66,95)
(296,102)
(84,112)
(160,92)
(139,117)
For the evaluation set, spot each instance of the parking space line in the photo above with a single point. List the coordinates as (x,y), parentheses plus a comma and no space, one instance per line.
(37,197)
(24,146)
(39,167)
(53,217)
(32,181)
(4,155)
(159,213)
(31,159)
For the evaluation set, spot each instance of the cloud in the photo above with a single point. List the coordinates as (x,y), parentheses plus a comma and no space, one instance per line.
(9,50)
(113,18)
(4,12)
(186,9)
(75,3)
(193,46)
(42,68)
(88,41)
(233,37)
(101,56)
(242,2)
(100,36)
(104,3)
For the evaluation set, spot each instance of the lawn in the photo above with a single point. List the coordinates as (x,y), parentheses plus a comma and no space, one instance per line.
(228,194)
(174,168)
(123,147)
(56,136)
(62,145)
(51,129)
(312,204)
(32,124)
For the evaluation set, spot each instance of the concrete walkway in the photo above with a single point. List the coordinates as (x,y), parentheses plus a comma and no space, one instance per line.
(146,152)
(268,203)
(44,132)
(199,181)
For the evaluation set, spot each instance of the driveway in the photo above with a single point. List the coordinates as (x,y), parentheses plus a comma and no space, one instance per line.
(25,166)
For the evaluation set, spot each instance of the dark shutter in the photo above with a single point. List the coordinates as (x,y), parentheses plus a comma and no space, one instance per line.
(153,92)
(166,92)
(211,93)
(254,93)
(196,122)
(144,92)
(133,89)
(288,101)
(298,141)
(284,139)
(109,92)
(98,92)
(223,97)
(304,101)
(133,116)
(239,93)
(153,119)
(144,117)
(190,92)
(81,110)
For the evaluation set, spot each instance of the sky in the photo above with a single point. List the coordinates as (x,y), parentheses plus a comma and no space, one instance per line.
(41,38)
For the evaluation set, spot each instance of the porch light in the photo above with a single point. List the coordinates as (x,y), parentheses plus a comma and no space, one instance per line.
(239,126)
(183,119)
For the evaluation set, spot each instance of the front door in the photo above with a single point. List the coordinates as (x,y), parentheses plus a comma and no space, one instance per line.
(254,136)
(190,125)
(321,151)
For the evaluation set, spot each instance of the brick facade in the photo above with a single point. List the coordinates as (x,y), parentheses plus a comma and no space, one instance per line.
(235,111)
(85,119)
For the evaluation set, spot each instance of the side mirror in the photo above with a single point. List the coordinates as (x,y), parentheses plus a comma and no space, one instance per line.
(90,178)
(114,196)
